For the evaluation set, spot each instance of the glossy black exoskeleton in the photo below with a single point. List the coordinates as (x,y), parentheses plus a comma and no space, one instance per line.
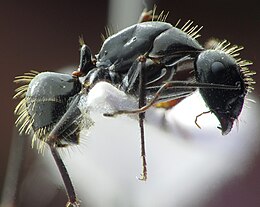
(218,68)
(50,111)
(162,45)
(153,61)
(48,97)
(160,51)
(142,55)
(145,59)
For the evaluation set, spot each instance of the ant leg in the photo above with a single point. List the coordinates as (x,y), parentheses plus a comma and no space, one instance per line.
(142,102)
(71,115)
(137,73)
(143,108)
(72,198)
(196,119)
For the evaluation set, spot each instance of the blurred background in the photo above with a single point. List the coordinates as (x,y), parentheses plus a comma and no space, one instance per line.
(43,36)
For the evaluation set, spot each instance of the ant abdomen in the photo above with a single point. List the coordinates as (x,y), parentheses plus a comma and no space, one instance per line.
(47,97)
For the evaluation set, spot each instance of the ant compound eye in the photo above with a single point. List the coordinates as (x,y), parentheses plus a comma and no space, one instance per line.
(46,99)
(218,69)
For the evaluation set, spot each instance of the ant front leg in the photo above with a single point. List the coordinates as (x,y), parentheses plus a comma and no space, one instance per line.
(197,117)
(135,73)
(142,102)
(140,71)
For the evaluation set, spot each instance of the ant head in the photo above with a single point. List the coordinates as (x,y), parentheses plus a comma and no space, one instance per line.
(219,66)
(46,98)
(86,60)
